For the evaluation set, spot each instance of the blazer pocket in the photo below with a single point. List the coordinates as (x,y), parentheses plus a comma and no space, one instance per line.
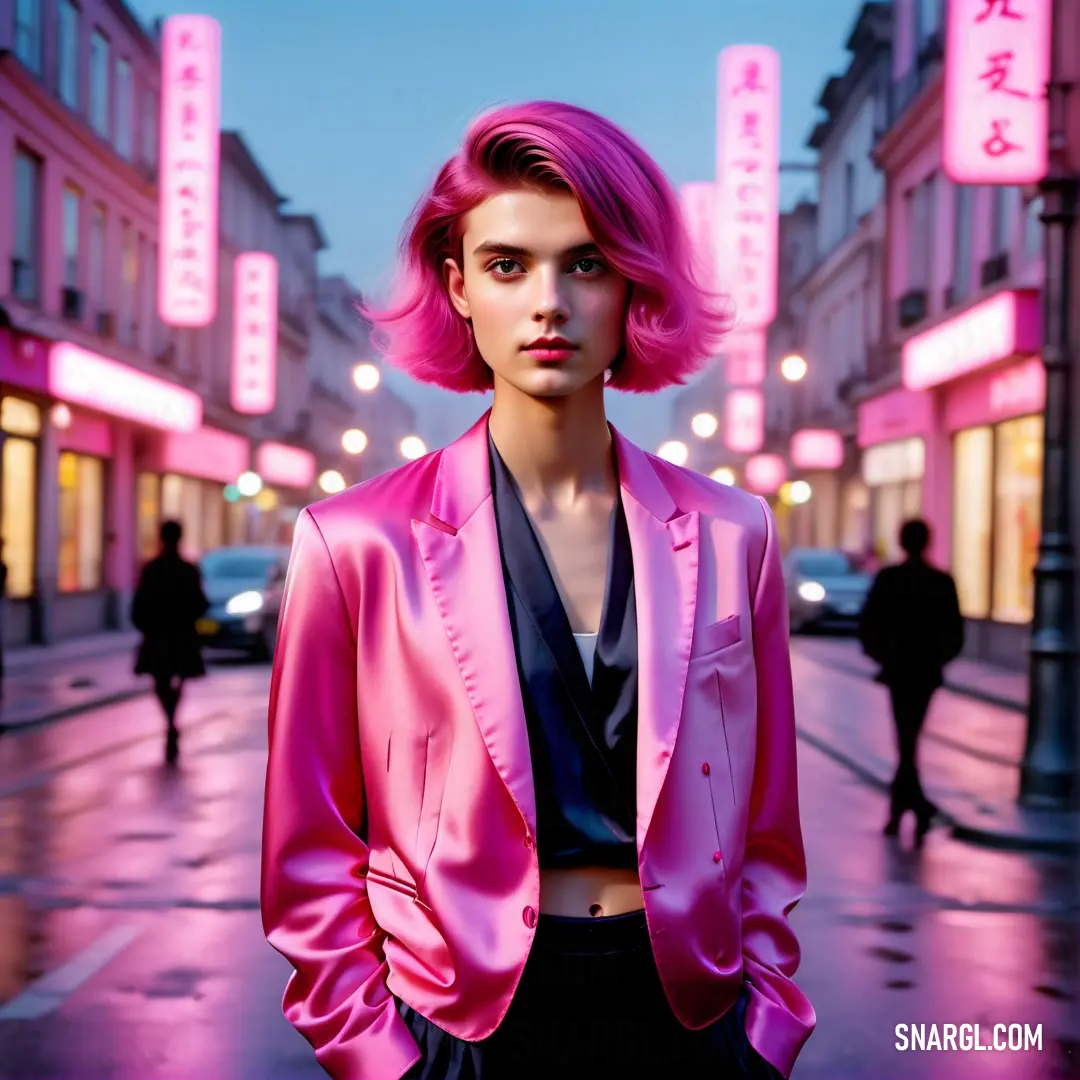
(716,636)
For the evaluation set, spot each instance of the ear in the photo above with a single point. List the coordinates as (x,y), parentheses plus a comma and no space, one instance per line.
(455,287)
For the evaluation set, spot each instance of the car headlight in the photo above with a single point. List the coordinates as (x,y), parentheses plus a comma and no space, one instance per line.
(812,592)
(245,603)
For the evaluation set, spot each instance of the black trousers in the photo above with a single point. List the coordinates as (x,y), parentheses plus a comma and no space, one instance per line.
(590,1004)
(909,705)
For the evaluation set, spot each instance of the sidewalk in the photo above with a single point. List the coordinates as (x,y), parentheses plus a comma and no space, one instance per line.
(48,682)
(972,678)
(969,756)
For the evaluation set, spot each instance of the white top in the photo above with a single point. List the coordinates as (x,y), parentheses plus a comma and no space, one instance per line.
(586,644)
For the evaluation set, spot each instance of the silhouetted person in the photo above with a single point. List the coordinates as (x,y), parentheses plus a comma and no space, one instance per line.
(911,625)
(166,606)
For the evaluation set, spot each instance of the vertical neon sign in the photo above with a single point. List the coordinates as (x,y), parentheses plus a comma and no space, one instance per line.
(744,427)
(997,63)
(255,319)
(765,473)
(747,176)
(699,211)
(744,358)
(190,126)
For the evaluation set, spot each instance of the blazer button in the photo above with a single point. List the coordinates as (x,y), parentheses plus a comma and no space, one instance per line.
(705,768)
(716,856)
(529,915)
(529,841)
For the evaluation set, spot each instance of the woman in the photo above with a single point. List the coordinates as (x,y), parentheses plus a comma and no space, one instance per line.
(168,602)
(531,800)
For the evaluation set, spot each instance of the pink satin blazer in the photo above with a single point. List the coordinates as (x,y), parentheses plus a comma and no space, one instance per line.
(399,851)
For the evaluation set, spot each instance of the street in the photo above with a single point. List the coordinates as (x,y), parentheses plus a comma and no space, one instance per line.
(130,941)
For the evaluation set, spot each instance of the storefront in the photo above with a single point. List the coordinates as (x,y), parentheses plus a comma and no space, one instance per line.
(182,476)
(893,432)
(287,474)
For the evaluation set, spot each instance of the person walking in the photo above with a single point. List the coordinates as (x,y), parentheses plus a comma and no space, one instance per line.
(912,627)
(167,603)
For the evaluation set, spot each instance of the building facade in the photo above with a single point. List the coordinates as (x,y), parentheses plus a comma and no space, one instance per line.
(836,307)
(951,421)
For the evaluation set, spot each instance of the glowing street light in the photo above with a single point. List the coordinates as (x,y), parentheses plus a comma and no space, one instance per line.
(249,484)
(678,453)
(354,441)
(412,447)
(794,367)
(332,482)
(723,475)
(366,377)
(704,425)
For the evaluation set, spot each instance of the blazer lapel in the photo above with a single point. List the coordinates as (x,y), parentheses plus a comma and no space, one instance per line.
(664,543)
(459,545)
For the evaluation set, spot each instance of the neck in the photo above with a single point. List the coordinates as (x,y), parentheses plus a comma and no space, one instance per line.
(555,448)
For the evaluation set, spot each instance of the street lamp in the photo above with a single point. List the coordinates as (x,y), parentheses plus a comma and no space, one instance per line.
(678,453)
(354,441)
(366,377)
(723,475)
(412,447)
(794,367)
(249,485)
(704,425)
(331,482)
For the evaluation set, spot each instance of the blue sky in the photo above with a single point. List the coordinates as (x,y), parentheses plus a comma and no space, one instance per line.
(351,106)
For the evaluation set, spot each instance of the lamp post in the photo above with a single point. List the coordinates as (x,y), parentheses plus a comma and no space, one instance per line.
(1048,770)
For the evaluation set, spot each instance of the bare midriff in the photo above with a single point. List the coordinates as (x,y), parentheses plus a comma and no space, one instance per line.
(589,891)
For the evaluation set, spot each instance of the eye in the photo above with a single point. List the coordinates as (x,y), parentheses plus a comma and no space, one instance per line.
(590,265)
(505,267)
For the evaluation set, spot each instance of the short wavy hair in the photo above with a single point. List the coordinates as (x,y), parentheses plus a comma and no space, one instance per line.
(674,324)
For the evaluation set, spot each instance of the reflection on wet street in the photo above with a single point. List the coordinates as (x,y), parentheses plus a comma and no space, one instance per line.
(130,942)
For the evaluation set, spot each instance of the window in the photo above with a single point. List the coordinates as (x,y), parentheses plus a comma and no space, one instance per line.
(973,463)
(28,33)
(182,500)
(81,522)
(21,423)
(149,129)
(72,221)
(849,197)
(1002,206)
(1017,517)
(125,109)
(919,211)
(148,515)
(97,257)
(1033,229)
(929,16)
(99,83)
(67,76)
(27,252)
(129,272)
(962,241)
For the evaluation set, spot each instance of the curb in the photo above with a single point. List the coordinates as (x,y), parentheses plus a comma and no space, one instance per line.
(972,692)
(116,698)
(960,829)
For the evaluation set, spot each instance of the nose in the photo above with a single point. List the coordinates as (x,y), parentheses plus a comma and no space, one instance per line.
(551,304)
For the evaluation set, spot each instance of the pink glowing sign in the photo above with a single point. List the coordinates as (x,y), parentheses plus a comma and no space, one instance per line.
(817,448)
(747,174)
(699,210)
(255,320)
(190,110)
(744,358)
(997,63)
(288,466)
(765,473)
(1005,325)
(84,378)
(744,416)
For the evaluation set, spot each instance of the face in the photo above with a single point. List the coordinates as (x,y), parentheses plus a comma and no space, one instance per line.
(531,275)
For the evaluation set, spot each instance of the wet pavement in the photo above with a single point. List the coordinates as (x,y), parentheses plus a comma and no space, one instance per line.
(130,943)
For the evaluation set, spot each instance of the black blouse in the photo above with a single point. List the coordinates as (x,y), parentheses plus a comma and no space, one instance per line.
(582,738)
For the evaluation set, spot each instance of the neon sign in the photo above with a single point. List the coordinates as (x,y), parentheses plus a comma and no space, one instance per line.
(699,211)
(765,473)
(285,465)
(996,329)
(747,172)
(84,378)
(744,358)
(997,63)
(817,448)
(190,130)
(255,319)
(744,421)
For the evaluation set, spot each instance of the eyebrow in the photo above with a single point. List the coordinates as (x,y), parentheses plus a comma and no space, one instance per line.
(494,247)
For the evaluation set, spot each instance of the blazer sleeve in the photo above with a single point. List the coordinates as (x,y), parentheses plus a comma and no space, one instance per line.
(779,1017)
(315,906)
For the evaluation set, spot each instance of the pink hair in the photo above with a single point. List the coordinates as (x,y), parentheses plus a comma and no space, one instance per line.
(673,323)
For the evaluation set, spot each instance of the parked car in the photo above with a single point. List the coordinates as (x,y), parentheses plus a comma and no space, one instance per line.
(244,586)
(824,588)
